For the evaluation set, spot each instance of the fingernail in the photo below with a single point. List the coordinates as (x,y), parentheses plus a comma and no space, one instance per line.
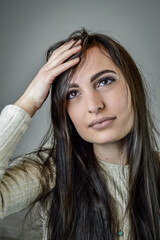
(77,59)
(71,41)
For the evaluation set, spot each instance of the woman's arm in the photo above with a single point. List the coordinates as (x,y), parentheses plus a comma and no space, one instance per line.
(37,92)
(14,121)
(20,184)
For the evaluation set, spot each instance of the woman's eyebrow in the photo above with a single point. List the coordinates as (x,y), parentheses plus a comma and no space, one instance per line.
(93,78)
(73,85)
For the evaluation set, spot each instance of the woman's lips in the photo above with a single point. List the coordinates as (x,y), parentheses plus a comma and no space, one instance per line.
(101,123)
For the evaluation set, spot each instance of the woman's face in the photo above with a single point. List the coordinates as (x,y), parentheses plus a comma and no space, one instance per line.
(99,100)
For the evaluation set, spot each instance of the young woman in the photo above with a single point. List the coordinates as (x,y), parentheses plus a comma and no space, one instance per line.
(100,177)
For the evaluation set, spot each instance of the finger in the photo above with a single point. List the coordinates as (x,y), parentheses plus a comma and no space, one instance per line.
(62,68)
(75,43)
(61,49)
(68,45)
(62,58)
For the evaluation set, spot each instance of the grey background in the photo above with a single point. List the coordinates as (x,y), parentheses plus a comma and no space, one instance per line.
(28,28)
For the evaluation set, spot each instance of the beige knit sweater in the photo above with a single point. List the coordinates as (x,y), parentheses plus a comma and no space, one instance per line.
(19,190)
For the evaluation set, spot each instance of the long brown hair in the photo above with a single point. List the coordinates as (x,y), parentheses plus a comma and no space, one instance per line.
(82,206)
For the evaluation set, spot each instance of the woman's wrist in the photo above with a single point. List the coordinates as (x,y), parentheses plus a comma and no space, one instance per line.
(26,106)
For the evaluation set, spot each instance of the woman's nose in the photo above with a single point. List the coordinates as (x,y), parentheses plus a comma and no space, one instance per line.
(94,102)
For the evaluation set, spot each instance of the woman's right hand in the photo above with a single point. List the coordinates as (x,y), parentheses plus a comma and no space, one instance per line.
(37,92)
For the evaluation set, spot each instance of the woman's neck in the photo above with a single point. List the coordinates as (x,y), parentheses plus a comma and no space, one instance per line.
(111,152)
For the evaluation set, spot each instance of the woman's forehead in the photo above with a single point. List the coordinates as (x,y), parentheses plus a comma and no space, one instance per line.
(96,59)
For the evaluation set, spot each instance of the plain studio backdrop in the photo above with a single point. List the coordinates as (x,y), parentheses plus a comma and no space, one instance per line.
(28,28)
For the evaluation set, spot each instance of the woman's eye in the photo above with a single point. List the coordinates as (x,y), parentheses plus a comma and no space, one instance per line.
(72,94)
(105,81)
